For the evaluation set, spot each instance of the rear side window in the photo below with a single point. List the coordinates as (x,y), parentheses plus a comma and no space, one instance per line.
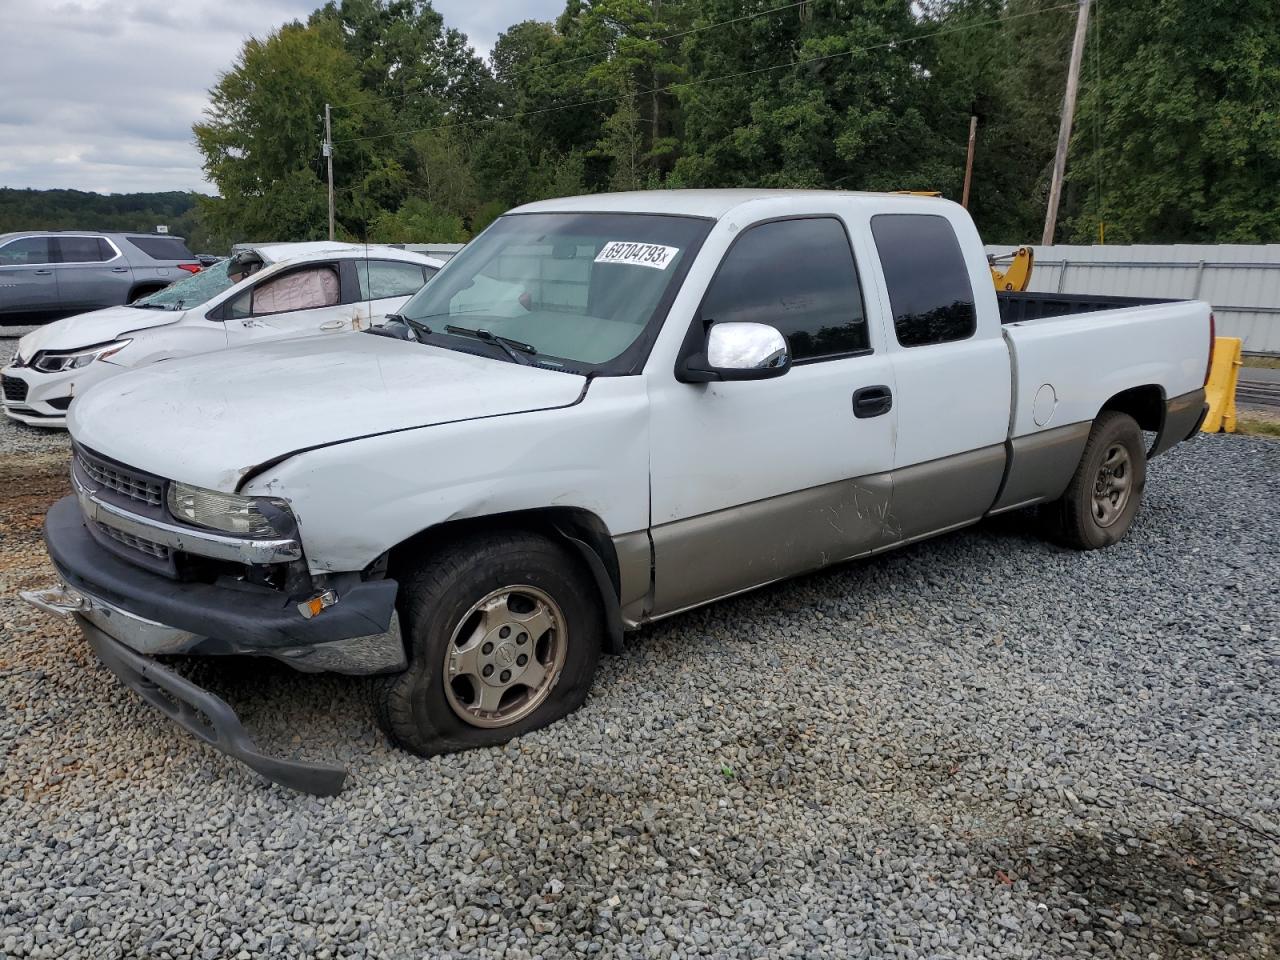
(79,250)
(26,250)
(163,248)
(391,278)
(798,276)
(927,277)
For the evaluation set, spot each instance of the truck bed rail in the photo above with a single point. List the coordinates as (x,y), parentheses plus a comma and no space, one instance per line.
(1016,307)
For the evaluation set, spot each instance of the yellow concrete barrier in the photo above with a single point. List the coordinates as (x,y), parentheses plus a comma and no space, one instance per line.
(1220,391)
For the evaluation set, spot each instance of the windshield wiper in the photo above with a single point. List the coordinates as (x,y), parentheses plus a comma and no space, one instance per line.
(509,346)
(417,325)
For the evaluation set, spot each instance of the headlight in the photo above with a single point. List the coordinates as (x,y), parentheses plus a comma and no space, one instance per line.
(55,361)
(246,516)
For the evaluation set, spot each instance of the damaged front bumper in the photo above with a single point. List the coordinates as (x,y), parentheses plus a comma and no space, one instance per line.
(207,716)
(128,615)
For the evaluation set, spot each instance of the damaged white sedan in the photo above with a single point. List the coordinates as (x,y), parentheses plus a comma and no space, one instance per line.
(270,292)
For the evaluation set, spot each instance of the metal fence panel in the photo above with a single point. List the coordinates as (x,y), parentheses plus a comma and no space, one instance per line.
(1241,281)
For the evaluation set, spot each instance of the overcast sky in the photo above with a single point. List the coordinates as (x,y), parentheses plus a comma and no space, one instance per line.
(101,94)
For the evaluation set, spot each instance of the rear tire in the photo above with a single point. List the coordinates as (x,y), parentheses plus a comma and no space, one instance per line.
(504,633)
(1105,492)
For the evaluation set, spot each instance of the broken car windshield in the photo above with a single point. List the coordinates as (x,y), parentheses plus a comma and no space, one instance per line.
(191,291)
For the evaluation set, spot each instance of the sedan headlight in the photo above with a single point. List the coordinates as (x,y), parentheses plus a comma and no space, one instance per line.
(230,513)
(55,361)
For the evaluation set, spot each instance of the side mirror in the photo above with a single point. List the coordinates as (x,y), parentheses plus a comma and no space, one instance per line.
(737,350)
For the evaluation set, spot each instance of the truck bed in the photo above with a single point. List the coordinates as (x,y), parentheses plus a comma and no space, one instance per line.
(1066,365)
(1015,307)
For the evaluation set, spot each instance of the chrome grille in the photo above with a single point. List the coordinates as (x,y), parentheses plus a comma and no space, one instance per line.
(149,547)
(15,390)
(120,479)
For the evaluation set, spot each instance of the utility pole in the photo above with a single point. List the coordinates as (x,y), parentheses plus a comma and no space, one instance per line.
(328,155)
(1064,127)
(968,163)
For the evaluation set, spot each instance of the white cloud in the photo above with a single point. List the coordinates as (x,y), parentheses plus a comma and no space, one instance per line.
(101,94)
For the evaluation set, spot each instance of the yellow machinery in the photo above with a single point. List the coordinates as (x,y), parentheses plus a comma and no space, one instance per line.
(1016,277)
(1220,391)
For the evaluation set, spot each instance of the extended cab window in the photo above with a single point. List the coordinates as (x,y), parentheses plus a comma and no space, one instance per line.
(26,250)
(798,276)
(307,288)
(927,277)
(391,278)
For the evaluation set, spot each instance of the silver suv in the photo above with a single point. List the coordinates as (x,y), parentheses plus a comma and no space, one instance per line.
(59,272)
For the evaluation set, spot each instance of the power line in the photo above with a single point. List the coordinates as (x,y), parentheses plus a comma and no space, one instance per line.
(728,76)
(592,56)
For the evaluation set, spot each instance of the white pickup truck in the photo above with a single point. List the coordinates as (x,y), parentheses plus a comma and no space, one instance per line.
(604,411)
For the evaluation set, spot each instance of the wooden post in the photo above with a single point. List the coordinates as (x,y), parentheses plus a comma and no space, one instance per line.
(968,163)
(1064,126)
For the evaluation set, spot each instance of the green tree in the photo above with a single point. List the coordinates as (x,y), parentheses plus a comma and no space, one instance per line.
(82,210)
(623,143)
(1178,134)
(417,221)
(1004,61)
(410,62)
(262,135)
(821,95)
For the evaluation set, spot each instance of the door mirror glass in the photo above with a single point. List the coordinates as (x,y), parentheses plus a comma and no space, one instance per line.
(739,350)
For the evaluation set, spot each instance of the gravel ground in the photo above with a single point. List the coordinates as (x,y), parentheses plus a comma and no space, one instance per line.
(957,750)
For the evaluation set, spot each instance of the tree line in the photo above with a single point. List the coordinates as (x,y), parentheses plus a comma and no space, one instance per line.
(1177,134)
(83,210)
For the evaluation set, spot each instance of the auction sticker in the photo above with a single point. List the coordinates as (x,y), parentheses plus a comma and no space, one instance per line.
(637,254)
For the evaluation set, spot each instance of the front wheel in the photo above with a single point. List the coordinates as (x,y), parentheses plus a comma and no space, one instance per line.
(1106,490)
(504,633)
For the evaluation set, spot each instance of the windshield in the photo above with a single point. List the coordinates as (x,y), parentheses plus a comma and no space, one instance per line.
(190,291)
(581,289)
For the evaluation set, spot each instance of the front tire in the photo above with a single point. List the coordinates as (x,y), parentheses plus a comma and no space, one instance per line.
(504,634)
(1106,490)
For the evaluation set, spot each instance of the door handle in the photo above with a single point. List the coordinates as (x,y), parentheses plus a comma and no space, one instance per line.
(119,269)
(333,324)
(44,273)
(872,402)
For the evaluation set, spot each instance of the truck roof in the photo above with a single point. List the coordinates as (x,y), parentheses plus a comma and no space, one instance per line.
(696,203)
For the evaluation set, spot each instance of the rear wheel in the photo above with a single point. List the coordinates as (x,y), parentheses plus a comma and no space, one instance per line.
(1106,490)
(504,634)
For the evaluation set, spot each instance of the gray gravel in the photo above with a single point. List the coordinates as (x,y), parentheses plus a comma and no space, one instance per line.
(938,753)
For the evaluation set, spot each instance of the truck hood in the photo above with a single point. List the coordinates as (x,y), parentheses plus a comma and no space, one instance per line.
(87,329)
(211,419)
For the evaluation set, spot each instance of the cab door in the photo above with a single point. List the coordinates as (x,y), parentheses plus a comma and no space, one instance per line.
(951,366)
(299,301)
(27,280)
(753,481)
